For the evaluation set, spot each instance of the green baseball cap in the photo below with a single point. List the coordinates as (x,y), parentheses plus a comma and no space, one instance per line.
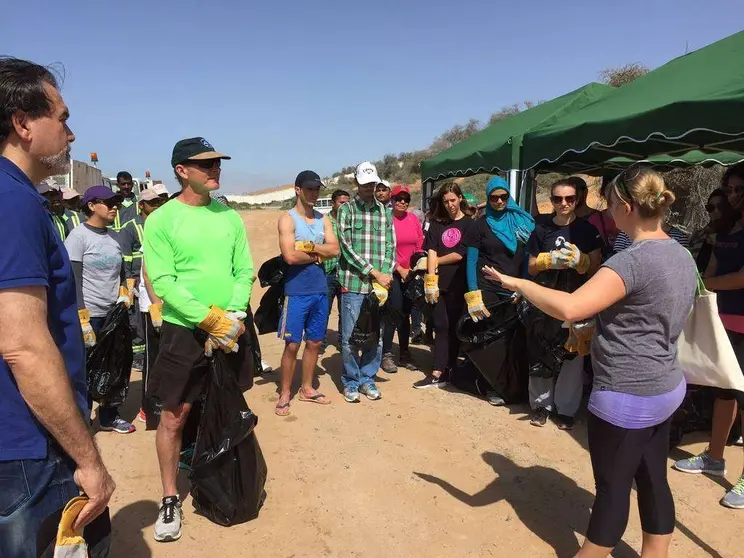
(470,198)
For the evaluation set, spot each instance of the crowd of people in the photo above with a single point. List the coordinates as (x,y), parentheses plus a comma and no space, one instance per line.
(611,290)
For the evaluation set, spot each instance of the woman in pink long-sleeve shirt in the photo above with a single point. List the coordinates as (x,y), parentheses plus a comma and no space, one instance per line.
(409,238)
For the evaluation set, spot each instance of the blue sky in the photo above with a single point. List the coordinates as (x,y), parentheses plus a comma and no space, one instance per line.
(288,85)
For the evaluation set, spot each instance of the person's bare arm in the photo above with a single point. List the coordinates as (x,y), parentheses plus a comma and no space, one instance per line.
(600,292)
(532,266)
(432,261)
(287,243)
(728,282)
(595,260)
(39,371)
(330,247)
(452,258)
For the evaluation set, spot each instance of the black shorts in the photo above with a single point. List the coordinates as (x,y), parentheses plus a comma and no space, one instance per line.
(180,371)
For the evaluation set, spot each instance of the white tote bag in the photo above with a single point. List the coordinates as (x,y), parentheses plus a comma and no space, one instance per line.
(704,350)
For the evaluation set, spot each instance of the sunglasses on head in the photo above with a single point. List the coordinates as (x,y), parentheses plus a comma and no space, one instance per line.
(570,200)
(207,164)
(404,199)
(499,197)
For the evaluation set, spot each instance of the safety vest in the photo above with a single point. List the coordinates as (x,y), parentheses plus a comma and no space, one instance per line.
(72,216)
(59,225)
(118,225)
(140,235)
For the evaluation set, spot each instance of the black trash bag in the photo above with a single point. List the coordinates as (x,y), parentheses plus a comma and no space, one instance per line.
(270,309)
(696,415)
(109,362)
(546,338)
(366,333)
(228,472)
(414,290)
(272,271)
(466,377)
(390,316)
(497,348)
(255,347)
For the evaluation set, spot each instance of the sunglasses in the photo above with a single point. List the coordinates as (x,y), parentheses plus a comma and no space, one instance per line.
(570,200)
(209,164)
(402,199)
(110,203)
(499,197)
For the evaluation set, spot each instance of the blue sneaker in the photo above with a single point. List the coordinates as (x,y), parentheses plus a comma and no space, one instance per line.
(351,395)
(371,391)
(735,497)
(702,463)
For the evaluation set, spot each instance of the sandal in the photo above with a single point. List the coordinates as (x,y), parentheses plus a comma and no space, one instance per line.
(314,398)
(281,410)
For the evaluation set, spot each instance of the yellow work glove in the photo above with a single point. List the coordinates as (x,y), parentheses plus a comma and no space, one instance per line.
(380,292)
(304,246)
(584,331)
(476,308)
(551,260)
(89,336)
(572,343)
(224,328)
(124,296)
(70,543)
(156,316)
(575,258)
(431,288)
(131,282)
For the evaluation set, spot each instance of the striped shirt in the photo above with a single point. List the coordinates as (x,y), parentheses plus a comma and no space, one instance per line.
(623,241)
(367,239)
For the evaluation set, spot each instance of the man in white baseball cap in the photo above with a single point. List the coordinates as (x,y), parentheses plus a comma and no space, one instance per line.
(366,173)
(72,216)
(382,193)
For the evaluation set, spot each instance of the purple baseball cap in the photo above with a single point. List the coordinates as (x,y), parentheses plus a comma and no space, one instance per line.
(102,193)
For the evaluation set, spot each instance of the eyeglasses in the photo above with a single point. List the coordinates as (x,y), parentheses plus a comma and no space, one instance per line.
(499,197)
(111,203)
(402,199)
(570,200)
(208,164)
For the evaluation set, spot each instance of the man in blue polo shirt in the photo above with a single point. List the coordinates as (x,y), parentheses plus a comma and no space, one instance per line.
(47,455)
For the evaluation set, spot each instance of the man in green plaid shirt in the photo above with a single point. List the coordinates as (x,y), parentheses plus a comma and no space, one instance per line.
(330,266)
(367,239)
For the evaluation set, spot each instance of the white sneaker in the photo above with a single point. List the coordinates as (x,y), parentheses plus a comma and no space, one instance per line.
(168,525)
(266,367)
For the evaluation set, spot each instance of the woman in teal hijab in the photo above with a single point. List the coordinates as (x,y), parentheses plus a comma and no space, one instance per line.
(498,241)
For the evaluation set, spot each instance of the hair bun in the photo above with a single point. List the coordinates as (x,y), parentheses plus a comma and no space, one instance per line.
(666,198)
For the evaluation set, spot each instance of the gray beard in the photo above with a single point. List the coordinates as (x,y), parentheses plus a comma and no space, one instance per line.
(57,164)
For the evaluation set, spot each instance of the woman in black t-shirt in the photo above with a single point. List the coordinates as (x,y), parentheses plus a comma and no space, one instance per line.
(446,255)
(564,253)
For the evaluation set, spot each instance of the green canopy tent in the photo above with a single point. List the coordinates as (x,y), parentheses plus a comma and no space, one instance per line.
(497,148)
(693,102)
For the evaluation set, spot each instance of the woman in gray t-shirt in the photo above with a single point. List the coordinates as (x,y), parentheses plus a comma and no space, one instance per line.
(641,299)
(97,263)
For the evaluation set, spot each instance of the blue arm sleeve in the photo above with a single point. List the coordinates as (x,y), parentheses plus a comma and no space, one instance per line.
(472,268)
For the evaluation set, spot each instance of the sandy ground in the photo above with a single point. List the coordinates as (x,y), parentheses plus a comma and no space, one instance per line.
(419,473)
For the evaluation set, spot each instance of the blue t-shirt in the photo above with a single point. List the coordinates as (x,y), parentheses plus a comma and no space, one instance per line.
(32,255)
(308,279)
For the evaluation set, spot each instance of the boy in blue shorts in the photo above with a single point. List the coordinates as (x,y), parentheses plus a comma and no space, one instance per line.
(306,238)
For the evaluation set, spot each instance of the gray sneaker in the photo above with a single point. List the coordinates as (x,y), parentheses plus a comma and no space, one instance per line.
(388,364)
(351,395)
(371,391)
(702,463)
(168,524)
(735,497)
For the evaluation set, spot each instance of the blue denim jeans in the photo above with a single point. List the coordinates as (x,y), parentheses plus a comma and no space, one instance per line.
(33,490)
(334,292)
(358,369)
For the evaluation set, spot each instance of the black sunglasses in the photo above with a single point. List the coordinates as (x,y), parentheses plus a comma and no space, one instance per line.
(111,203)
(207,164)
(570,200)
(403,199)
(499,197)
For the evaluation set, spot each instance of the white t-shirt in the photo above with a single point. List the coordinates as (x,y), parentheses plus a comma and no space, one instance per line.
(144,298)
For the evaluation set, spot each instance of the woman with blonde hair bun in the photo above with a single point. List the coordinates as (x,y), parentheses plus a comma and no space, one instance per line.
(640,299)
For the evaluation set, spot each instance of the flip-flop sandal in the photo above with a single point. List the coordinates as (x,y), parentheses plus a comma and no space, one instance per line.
(282,410)
(314,399)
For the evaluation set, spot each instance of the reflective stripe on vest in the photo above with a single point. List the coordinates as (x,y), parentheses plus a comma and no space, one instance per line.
(60,227)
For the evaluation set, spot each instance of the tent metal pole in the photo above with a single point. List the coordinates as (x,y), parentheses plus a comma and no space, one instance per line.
(514,183)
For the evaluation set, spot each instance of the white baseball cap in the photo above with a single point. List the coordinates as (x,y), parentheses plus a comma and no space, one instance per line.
(385,183)
(366,173)
(69,193)
(46,186)
(160,189)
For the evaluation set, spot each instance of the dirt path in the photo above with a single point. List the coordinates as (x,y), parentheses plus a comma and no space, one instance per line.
(432,473)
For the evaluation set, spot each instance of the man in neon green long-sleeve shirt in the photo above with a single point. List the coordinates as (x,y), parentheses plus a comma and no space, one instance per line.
(199,265)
